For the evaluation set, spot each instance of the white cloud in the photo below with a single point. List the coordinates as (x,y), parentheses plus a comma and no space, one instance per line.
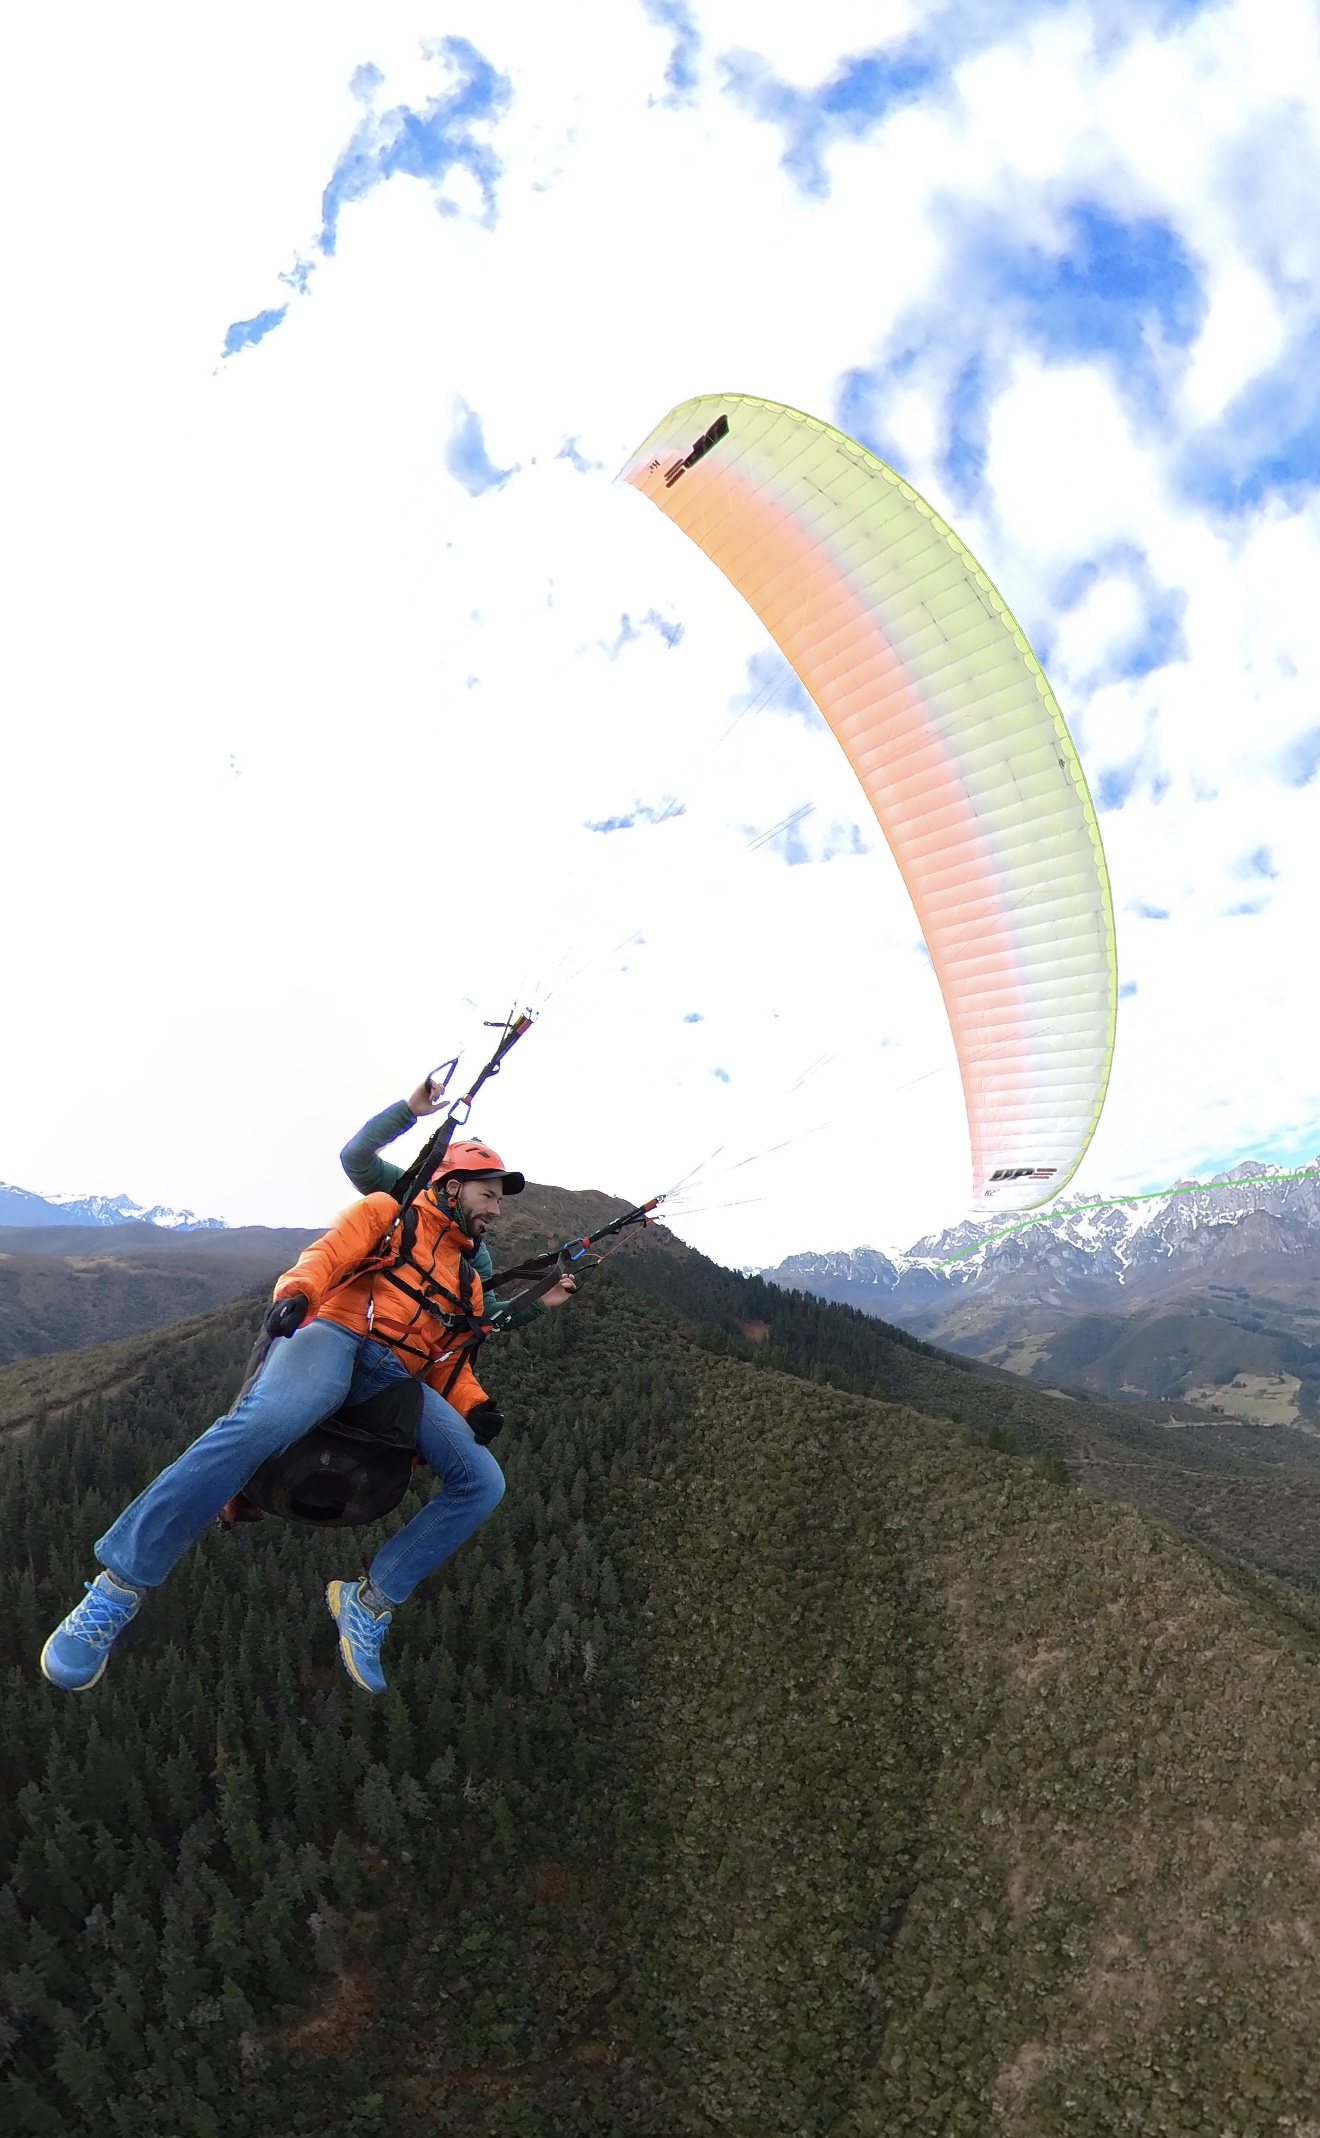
(1066,473)
(219,971)
(1243,334)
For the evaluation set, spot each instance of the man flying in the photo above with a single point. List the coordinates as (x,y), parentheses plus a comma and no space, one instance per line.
(371,1174)
(351,1331)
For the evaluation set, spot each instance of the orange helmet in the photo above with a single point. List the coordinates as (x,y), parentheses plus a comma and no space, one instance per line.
(477,1160)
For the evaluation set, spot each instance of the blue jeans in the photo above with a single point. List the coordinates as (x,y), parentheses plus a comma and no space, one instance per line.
(307,1376)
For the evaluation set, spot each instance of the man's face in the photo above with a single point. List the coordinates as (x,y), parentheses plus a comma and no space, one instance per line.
(480,1203)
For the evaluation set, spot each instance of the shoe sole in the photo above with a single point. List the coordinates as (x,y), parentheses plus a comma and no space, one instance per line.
(87,1683)
(334,1590)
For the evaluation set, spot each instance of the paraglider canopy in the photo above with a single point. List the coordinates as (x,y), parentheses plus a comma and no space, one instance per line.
(950,725)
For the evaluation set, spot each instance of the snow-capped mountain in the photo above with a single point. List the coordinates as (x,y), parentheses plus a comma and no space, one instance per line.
(1241,1229)
(19,1206)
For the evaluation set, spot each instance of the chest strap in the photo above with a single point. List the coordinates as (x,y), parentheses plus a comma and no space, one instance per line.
(453,1310)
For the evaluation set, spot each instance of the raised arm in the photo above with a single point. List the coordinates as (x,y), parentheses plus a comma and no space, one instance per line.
(369,1172)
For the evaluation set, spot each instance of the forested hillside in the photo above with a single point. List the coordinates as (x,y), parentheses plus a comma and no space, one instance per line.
(779,1760)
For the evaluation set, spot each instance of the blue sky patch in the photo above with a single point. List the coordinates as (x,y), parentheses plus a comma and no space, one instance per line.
(1149,912)
(1158,642)
(784,838)
(681,73)
(428,143)
(1299,759)
(1115,784)
(246,333)
(844,839)
(722,1074)
(773,687)
(1153,641)
(866,88)
(694,1017)
(1125,293)
(467,459)
(670,633)
(1109,290)
(1268,439)
(859,404)
(858,97)
(1126,988)
(640,813)
(569,451)
(1259,863)
(629,633)
(964,460)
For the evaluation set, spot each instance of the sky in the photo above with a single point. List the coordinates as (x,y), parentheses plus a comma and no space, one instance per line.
(350,701)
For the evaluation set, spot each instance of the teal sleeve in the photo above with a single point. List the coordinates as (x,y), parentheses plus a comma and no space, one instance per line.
(524,1315)
(369,1172)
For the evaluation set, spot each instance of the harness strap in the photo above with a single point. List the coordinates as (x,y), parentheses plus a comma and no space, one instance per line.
(424,1299)
(530,1293)
(386,1260)
(398,1343)
(461,1323)
(462,1353)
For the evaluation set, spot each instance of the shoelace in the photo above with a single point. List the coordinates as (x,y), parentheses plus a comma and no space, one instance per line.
(98,1618)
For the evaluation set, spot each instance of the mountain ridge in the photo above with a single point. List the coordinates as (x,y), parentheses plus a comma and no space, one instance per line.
(1120,1299)
(23,1206)
(1110,1239)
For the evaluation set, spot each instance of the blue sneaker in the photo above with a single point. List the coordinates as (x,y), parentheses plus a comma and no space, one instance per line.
(360,1634)
(78,1650)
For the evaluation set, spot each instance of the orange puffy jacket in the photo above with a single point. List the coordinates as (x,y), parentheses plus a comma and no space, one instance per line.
(375,1304)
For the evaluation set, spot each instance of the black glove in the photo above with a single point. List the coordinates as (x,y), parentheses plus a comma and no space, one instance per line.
(486,1420)
(286,1314)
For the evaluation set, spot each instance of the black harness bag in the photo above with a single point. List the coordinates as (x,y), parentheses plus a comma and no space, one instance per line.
(352,1468)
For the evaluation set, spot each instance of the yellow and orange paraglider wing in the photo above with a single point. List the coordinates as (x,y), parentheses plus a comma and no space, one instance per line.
(947,719)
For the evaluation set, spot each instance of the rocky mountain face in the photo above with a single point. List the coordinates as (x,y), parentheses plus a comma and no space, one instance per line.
(1209,1288)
